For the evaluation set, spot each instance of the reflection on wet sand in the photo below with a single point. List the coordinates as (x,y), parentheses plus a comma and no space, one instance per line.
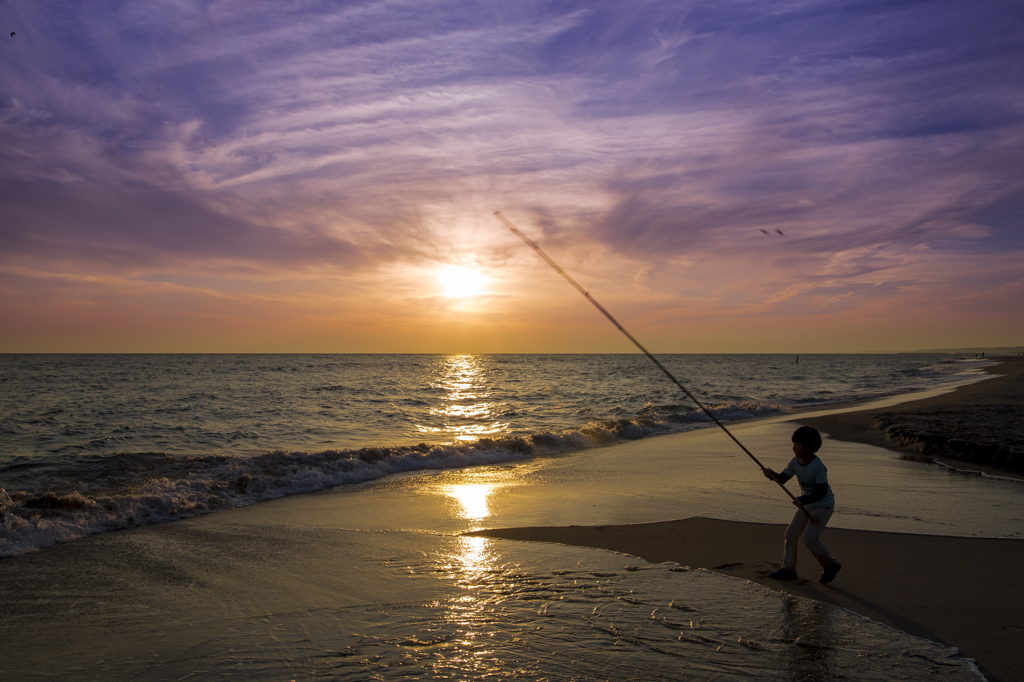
(472,499)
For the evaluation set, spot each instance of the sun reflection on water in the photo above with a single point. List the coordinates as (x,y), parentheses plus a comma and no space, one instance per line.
(475,557)
(472,498)
(466,411)
(476,568)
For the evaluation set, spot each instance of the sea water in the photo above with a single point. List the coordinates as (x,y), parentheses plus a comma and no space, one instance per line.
(367,576)
(92,443)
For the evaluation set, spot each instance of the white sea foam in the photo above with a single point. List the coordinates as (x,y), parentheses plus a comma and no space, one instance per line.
(125,491)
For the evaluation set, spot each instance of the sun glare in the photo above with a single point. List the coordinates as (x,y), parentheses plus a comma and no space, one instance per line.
(459,282)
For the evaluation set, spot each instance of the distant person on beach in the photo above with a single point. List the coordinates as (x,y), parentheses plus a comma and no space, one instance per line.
(817,501)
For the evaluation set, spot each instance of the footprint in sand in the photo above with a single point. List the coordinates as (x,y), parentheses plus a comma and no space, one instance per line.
(733,565)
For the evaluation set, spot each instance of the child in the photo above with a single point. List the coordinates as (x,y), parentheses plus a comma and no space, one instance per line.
(817,500)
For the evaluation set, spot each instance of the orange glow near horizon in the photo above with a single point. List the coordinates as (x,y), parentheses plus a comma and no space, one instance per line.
(495,296)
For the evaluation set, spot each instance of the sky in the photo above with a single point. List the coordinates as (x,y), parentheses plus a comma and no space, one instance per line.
(723,176)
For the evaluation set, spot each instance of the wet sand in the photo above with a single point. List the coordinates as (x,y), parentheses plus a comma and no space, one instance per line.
(959,591)
(979,426)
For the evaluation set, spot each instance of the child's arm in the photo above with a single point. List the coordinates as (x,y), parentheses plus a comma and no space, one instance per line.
(778,478)
(820,490)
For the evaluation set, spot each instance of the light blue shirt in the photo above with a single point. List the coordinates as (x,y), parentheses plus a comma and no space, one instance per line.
(810,476)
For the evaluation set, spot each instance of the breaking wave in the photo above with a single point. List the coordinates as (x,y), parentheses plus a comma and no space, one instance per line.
(137,489)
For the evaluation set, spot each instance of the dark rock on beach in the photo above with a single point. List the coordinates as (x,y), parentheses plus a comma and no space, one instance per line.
(982,434)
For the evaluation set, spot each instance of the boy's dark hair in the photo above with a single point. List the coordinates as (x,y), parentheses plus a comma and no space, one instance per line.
(809,436)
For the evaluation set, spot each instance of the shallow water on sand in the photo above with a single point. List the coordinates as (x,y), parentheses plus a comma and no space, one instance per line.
(700,473)
(233,601)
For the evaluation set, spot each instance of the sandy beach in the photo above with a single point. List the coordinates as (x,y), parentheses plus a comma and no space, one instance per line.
(959,591)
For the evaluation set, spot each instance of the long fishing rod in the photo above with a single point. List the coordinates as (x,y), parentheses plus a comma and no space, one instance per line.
(586,294)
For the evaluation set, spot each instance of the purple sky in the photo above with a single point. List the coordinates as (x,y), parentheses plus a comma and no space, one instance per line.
(248,176)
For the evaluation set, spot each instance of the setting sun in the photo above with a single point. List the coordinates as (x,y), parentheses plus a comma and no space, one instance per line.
(459,282)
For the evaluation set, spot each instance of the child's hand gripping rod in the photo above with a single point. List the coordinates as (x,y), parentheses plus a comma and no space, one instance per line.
(586,294)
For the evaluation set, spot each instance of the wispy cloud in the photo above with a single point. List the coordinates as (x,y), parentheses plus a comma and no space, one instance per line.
(245,145)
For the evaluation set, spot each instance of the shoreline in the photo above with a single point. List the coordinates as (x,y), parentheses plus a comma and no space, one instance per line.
(976,427)
(958,591)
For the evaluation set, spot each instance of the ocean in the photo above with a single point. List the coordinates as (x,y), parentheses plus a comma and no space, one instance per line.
(93,443)
(366,469)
